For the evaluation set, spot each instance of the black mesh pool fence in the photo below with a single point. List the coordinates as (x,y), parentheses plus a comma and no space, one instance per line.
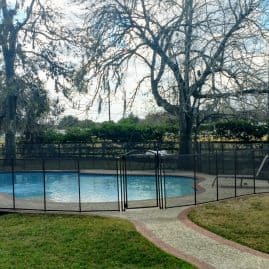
(133,180)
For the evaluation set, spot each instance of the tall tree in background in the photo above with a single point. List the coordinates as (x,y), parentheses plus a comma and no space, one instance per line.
(35,112)
(192,51)
(31,45)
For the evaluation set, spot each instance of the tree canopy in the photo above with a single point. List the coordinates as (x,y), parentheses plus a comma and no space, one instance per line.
(193,52)
(33,43)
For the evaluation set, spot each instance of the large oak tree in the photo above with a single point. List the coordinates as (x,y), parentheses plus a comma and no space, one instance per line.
(192,51)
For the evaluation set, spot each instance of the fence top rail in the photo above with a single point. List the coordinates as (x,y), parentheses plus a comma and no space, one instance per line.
(98,142)
(136,153)
(233,142)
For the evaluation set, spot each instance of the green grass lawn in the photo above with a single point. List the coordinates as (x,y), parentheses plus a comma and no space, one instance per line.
(64,241)
(244,220)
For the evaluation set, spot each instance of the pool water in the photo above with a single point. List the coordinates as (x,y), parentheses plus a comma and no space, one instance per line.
(63,187)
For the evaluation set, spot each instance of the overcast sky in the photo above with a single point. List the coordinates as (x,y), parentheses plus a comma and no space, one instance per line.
(143,105)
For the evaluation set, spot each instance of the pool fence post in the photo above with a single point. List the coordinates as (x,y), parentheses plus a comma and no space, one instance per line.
(59,150)
(121,184)
(159,178)
(235,171)
(79,187)
(121,187)
(44,184)
(194,177)
(209,158)
(118,185)
(125,182)
(222,157)
(217,176)
(162,179)
(254,171)
(164,185)
(13,183)
(157,181)
(79,150)
(161,172)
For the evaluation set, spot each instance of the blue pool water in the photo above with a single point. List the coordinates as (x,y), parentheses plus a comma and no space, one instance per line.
(63,187)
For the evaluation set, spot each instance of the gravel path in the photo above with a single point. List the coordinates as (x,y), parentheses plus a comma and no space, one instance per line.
(205,252)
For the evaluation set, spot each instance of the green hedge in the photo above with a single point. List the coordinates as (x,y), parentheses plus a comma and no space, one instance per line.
(131,131)
(122,132)
(240,129)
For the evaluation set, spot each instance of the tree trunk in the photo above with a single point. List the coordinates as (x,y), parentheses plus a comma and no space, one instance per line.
(9,52)
(185,136)
(10,130)
(186,117)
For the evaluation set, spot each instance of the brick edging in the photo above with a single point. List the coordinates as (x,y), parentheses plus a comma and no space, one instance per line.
(141,228)
(183,218)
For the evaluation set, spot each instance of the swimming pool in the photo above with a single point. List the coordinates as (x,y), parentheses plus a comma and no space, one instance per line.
(64,187)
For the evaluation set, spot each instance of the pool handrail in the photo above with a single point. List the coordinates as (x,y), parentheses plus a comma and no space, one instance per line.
(242,177)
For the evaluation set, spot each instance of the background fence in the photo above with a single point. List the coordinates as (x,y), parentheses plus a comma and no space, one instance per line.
(106,149)
(64,184)
(103,149)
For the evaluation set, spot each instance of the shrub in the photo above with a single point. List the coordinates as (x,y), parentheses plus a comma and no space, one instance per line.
(129,130)
(78,135)
(51,136)
(240,129)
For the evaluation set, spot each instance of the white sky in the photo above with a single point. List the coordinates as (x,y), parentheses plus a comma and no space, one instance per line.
(143,105)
